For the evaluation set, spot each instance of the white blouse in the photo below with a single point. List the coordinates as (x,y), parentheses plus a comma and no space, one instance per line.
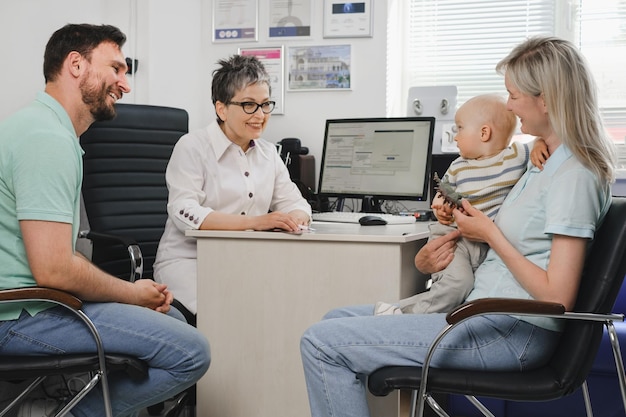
(208,172)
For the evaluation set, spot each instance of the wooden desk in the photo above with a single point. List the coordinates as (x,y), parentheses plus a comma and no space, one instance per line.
(259,291)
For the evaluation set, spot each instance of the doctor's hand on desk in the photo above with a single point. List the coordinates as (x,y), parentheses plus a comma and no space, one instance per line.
(437,254)
(289,222)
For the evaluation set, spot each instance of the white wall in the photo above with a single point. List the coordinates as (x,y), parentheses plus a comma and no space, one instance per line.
(307,111)
(25,26)
(172,41)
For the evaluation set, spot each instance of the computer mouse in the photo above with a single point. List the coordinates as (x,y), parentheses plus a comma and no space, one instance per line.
(372,221)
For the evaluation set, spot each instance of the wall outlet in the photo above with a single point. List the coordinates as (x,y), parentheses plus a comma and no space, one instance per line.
(448,144)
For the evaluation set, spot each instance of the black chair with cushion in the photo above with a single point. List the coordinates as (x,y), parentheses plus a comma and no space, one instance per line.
(124,187)
(124,190)
(568,367)
(35,369)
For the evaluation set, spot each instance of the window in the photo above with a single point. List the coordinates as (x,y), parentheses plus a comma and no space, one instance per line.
(602,38)
(459,42)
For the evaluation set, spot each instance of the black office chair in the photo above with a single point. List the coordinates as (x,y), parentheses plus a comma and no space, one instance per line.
(36,369)
(124,180)
(124,190)
(566,371)
(124,187)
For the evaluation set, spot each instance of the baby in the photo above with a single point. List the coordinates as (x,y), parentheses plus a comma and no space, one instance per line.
(488,167)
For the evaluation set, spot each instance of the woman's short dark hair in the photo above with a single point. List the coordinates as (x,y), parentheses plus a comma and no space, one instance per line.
(82,38)
(235,74)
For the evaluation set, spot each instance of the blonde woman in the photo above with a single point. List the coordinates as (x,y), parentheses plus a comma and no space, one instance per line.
(552,91)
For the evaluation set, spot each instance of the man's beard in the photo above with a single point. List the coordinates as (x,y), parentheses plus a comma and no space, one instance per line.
(96,99)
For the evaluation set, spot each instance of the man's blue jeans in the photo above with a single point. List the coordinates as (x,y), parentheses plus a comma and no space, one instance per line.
(177,354)
(350,343)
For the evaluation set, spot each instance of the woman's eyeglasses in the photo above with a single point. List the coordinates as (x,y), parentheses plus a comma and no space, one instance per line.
(250,107)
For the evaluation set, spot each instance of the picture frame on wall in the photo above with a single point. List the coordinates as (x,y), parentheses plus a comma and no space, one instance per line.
(319,68)
(273,60)
(290,19)
(348,19)
(235,21)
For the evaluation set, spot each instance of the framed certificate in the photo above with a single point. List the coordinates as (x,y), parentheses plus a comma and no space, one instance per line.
(235,20)
(290,18)
(348,19)
(274,63)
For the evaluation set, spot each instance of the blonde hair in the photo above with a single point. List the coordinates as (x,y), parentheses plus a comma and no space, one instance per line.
(555,68)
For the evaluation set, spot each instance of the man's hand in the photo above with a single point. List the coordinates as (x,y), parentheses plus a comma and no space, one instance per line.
(152,295)
(437,254)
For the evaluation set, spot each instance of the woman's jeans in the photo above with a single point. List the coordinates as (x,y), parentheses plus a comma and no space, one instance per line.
(350,343)
(176,353)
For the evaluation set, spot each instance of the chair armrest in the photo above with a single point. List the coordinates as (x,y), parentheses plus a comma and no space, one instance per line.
(41,293)
(104,237)
(134,367)
(134,251)
(503,306)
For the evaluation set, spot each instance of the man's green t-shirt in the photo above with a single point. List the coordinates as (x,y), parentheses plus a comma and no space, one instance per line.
(40,179)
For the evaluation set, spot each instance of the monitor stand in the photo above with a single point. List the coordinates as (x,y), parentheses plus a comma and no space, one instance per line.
(371,205)
(368,205)
(339,204)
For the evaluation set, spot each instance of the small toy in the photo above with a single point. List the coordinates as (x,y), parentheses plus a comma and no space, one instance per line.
(450,196)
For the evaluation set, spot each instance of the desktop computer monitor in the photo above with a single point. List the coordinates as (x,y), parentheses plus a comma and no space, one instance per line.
(377,159)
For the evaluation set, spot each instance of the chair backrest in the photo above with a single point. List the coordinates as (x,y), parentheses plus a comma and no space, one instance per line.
(602,279)
(124,188)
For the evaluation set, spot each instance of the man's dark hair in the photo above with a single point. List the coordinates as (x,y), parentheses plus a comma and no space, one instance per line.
(82,38)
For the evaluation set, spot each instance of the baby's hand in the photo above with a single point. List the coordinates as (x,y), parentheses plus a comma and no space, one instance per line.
(539,154)
(443,212)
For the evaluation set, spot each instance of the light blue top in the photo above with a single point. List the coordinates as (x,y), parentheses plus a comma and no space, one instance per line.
(565,198)
(40,179)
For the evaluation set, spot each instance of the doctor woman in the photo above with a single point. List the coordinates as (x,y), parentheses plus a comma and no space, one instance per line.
(226,177)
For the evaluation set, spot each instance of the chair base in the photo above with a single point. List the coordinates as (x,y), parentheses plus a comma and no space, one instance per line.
(38,368)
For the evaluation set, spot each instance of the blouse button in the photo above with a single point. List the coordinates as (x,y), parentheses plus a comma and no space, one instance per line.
(247,174)
(250,195)
(190,217)
(186,214)
(195,221)
(243,213)
(181,212)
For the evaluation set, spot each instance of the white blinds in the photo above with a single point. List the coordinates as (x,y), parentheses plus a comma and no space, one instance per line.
(459,42)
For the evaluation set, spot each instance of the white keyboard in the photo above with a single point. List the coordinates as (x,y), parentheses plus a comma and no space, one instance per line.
(351,217)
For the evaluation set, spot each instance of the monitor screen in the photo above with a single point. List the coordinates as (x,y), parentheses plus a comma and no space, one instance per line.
(380,158)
